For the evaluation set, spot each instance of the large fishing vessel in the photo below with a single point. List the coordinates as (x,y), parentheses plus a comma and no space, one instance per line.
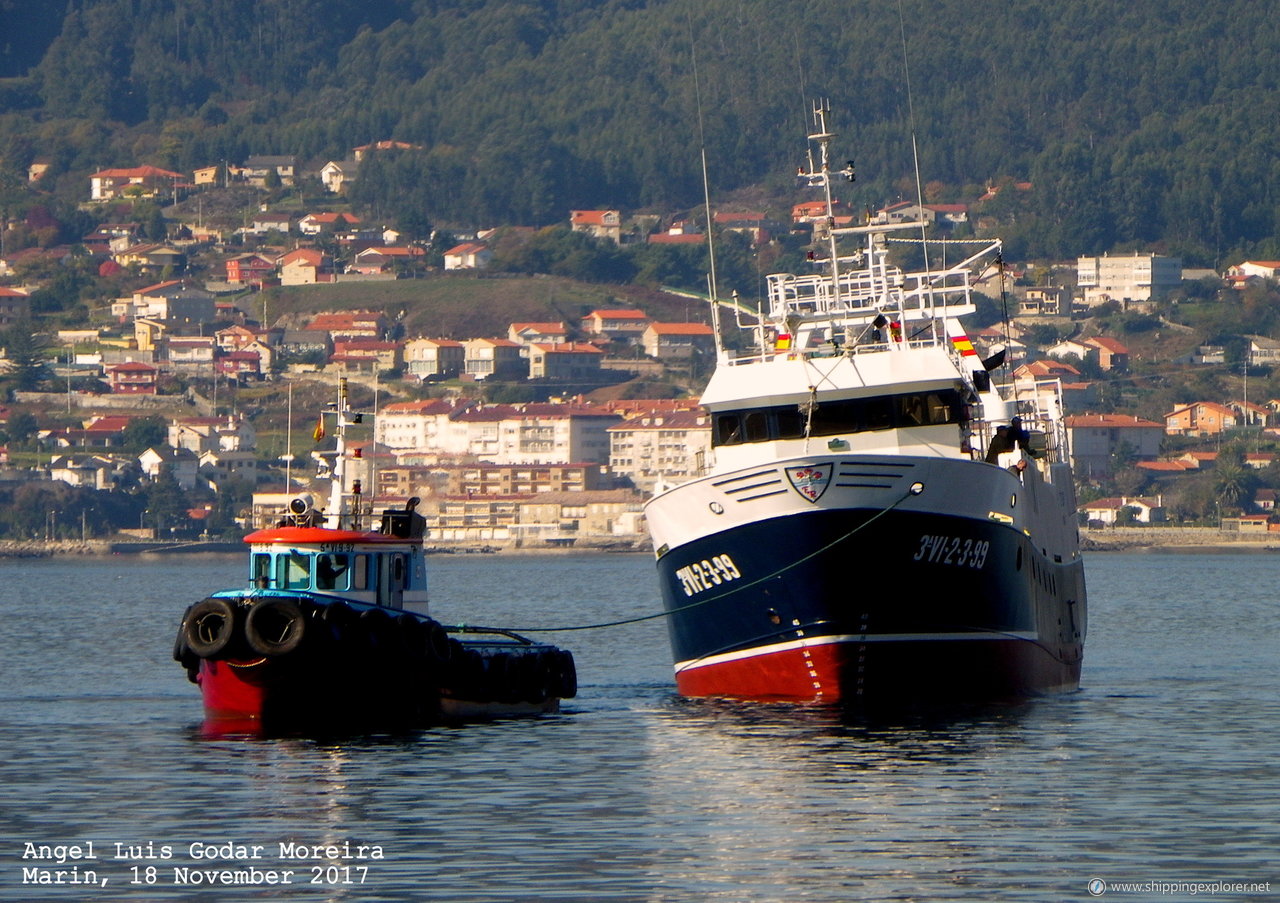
(880,520)
(332,630)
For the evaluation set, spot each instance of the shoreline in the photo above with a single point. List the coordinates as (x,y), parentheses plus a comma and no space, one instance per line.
(1171,540)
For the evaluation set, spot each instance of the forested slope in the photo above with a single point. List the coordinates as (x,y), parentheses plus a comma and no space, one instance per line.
(1147,122)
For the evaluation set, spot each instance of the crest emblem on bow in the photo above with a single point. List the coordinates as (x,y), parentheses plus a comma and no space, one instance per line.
(810,480)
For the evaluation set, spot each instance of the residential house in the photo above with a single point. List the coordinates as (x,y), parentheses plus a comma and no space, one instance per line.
(493,358)
(350,324)
(263,222)
(337,174)
(305,266)
(364,150)
(249,269)
(235,338)
(1201,418)
(174,303)
(386,259)
(434,358)
(239,365)
(258,167)
(676,238)
(1075,348)
(1251,414)
(602,224)
(1263,351)
(192,355)
(1095,438)
(616,325)
(219,467)
(1259,460)
(1045,301)
(1198,460)
(266,355)
(1246,523)
(151,257)
(752,224)
(206,175)
(315,223)
(1112,354)
(202,434)
(566,361)
(672,341)
(657,449)
(102,432)
(1265,500)
(305,341)
(133,378)
(816,212)
(15,305)
(366,355)
(93,471)
(1110,510)
(1261,269)
(184,465)
(138,181)
(110,238)
(538,333)
(469,255)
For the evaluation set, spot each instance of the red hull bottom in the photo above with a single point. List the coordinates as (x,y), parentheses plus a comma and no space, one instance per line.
(257,697)
(849,672)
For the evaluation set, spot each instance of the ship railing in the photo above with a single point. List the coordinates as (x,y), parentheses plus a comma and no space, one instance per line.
(862,294)
(1039,411)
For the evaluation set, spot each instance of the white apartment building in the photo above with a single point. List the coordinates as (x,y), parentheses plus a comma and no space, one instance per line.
(416,425)
(1128,278)
(540,433)
(661,448)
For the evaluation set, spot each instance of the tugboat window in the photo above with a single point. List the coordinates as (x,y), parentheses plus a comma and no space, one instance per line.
(297,570)
(360,572)
(332,571)
(261,574)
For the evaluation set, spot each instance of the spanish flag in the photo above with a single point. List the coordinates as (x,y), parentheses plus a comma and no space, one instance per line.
(318,433)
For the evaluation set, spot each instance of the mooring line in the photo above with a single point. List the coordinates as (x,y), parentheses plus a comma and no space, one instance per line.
(736,589)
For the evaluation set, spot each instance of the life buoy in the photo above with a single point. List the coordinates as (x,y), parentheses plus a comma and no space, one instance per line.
(275,626)
(209,627)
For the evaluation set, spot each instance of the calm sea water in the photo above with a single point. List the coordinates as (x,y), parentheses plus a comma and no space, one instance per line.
(1163,768)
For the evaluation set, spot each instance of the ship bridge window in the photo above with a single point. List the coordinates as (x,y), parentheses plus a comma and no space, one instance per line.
(832,418)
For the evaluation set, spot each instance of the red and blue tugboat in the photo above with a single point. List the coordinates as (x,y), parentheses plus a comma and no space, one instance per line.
(332,630)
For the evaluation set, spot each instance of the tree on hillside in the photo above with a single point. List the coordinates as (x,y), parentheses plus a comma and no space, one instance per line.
(27,353)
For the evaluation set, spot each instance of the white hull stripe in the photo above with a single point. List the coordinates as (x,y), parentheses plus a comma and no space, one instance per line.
(854,638)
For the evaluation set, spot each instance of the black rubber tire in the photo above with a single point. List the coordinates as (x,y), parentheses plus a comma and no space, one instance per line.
(275,627)
(210,627)
(566,674)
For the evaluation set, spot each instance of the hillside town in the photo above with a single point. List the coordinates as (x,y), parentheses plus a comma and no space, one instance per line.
(573,467)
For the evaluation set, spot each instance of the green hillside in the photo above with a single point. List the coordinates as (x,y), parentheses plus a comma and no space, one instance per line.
(1147,123)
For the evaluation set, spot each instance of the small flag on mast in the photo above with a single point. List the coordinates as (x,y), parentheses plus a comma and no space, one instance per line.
(318,433)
